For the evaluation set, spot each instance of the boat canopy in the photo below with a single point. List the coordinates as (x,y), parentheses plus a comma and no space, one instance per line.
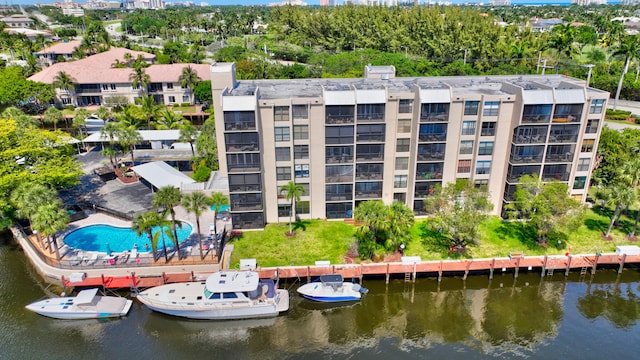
(86,296)
(331,279)
(232,281)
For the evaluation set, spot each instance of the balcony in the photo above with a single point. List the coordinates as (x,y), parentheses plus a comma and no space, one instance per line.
(434,156)
(524,159)
(370,137)
(370,157)
(369,176)
(369,194)
(236,126)
(429,176)
(339,196)
(339,119)
(432,137)
(566,157)
(371,117)
(563,138)
(339,159)
(338,178)
(434,117)
(529,139)
(536,118)
(242,147)
(561,176)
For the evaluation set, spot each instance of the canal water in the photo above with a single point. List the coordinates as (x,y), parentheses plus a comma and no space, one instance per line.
(554,318)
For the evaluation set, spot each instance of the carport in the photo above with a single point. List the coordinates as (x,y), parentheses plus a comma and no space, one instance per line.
(160,174)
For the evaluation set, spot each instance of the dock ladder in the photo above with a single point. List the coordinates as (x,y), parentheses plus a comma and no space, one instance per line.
(407,277)
(550,271)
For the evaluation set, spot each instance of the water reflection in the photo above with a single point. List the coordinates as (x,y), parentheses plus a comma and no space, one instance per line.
(616,302)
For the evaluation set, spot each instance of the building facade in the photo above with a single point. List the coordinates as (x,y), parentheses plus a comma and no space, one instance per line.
(394,139)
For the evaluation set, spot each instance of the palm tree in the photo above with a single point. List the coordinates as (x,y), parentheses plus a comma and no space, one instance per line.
(128,137)
(29,196)
(139,77)
(130,117)
(144,223)
(188,79)
(167,197)
(196,202)
(620,195)
(79,120)
(218,200)
(104,113)
(170,120)
(110,131)
(148,108)
(292,193)
(50,219)
(53,116)
(189,133)
(628,49)
(64,82)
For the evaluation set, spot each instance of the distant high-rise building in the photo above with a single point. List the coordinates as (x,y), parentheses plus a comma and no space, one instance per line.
(591,2)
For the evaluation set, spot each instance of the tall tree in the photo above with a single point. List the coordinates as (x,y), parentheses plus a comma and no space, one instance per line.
(139,77)
(79,119)
(628,49)
(145,224)
(167,198)
(189,133)
(48,220)
(218,200)
(292,192)
(110,131)
(53,116)
(620,195)
(385,227)
(129,137)
(546,206)
(458,209)
(195,203)
(64,82)
(148,108)
(188,80)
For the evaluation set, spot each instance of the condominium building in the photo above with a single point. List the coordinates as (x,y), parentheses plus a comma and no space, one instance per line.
(394,139)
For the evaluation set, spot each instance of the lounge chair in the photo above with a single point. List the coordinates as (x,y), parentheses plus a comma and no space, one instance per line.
(134,254)
(124,257)
(92,260)
(78,259)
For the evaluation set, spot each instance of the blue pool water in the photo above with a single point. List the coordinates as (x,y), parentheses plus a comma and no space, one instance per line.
(107,238)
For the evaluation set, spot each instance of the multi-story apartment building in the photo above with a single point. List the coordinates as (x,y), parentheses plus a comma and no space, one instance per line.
(393,139)
(102,79)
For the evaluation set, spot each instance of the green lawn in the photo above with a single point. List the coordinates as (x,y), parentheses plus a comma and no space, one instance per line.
(320,240)
(184,109)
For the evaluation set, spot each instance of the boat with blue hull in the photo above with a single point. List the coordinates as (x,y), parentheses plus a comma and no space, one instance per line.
(87,305)
(332,288)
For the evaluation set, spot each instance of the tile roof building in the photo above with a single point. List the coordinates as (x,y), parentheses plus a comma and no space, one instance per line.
(98,81)
(64,50)
(393,139)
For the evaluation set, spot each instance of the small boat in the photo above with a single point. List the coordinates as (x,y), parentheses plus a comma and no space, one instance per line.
(332,288)
(87,305)
(225,295)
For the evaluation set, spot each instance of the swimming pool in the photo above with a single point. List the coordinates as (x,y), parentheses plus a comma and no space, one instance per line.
(107,238)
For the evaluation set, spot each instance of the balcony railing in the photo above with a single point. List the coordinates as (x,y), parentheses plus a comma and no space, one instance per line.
(434,117)
(563,138)
(339,159)
(244,188)
(529,139)
(339,178)
(372,117)
(564,176)
(523,159)
(339,119)
(429,176)
(245,125)
(565,118)
(432,137)
(538,118)
(566,157)
(369,176)
(370,157)
(368,194)
(370,137)
(339,197)
(240,206)
(242,147)
(431,156)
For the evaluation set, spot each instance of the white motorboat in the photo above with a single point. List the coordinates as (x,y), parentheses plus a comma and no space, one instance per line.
(225,295)
(87,305)
(332,288)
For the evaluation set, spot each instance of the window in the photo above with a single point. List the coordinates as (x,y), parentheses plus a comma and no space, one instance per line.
(282,133)
(485,148)
(579,182)
(302,171)
(338,135)
(483,167)
(466,147)
(402,163)
(300,132)
(112,86)
(587,145)
(400,181)
(468,128)
(464,166)
(185,98)
(400,197)
(302,207)
(471,107)
(281,113)
(66,101)
(405,106)
(583,164)
(300,111)
(284,210)
(172,99)
(592,126)
(491,108)
(596,106)
(488,129)
(283,154)
(404,126)
(301,152)
(105,86)
(402,145)
(169,86)
(305,186)
(283,173)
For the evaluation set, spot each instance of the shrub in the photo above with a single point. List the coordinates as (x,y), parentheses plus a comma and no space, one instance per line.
(202,174)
